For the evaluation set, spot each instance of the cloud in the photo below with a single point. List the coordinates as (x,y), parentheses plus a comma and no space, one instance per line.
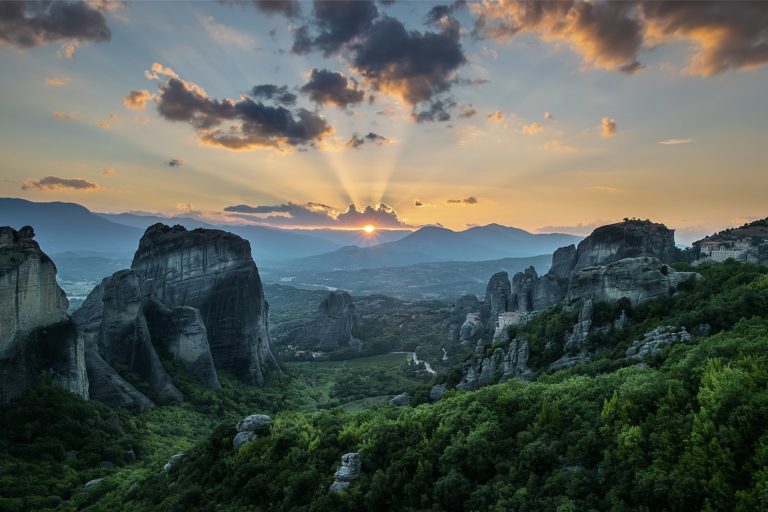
(285,7)
(414,66)
(334,24)
(327,87)
(313,214)
(495,116)
(175,162)
(608,127)
(555,146)
(610,35)
(436,110)
(466,200)
(56,183)
(137,100)
(56,81)
(278,94)
(238,125)
(63,116)
(108,171)
(29,24)
(672,142)
(372,138)
(186,209)
(467,111)
(532,129)
(548,116)
(103,125)
(418,203)
(227,36)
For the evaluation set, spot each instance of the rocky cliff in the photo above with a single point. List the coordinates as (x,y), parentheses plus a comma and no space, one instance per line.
(330,328)
(628,239)
(213,272)
(36,335)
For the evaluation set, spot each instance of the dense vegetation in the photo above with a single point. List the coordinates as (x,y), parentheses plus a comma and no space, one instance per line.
(683,431)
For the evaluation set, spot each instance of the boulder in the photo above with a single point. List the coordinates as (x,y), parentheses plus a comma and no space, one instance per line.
(437,392)
(90,484)
(254,423)
(173,462)
(242,438)
(348,472)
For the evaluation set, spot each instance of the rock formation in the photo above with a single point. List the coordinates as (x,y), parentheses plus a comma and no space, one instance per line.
(401,400)
(348,472)
(330,328)
(250,428)
(628,239)
(213,272)
(654,340)
(498,294)
(637,279)
(192,296)
(36,335)
(500,366)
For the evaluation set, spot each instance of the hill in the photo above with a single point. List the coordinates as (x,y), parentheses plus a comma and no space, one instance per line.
(431,243)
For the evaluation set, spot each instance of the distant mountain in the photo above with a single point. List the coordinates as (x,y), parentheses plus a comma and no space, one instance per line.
(356,237)
(431,244)
(62,227)
(142,221)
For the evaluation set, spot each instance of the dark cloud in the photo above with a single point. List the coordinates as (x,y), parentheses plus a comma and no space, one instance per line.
(334,24)
(466,200)
(413,65)
(610,35)
(242,124)
(279,95)
(437,110)
(175,162)
(313,214)
(56,183)
(372,138)
(331,88)
(28,24)
(289,8)
(418,203)
(467,111)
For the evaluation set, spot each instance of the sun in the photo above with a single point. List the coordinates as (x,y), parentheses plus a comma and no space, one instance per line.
(369,228)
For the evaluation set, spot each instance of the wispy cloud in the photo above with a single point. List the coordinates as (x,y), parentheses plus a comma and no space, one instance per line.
(56,183)
(672,142)
(465,200)
(56,81)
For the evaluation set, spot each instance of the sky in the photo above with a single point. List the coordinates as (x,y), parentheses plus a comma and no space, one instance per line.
(556,116)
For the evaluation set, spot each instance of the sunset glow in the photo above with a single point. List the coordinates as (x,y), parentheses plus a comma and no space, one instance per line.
(369,229)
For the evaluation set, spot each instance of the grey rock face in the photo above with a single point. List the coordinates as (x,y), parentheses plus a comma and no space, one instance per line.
(654,340)
(181,333)
(330,328)
(348,472)
(254,423)
(471,329)
(563,262)
(577,337)
(498,295)
(249,428)
(90,484)
(629,239)
(401,400)
(524,289)
(637,279)
(437,392)
(36,335)
(173,462)
(213,272)
(124,336)
(500,366)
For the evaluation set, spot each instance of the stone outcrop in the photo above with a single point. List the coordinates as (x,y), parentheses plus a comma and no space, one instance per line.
(628,239)
(36,335)
(436,392)
(500,366)
(471,329)
(655,340)
(249,428)
(576,338)
(330,328)
(637,279)
(498,294)
(348,472)
(173,462)
(213,272)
